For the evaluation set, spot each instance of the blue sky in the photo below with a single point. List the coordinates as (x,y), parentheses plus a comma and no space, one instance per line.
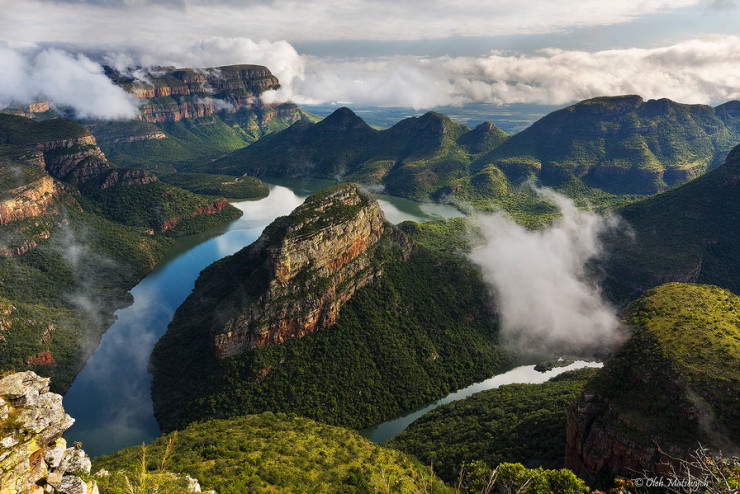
(413,53)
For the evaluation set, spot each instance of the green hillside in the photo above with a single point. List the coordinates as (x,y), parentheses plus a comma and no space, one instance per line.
(605,151)
(68,258)
(621,145)
(689,233)
(169,146)
(416,334)
(685,353)
(515,423)
(271,453)
(420,330)
(219,185)
(157,206)
(419,158)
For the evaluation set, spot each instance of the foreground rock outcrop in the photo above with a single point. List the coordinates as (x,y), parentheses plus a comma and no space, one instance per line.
(34,457)
(674,385)
(308,265)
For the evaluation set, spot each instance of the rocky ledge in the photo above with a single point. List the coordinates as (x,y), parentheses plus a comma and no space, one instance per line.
(295,278)
(34,458)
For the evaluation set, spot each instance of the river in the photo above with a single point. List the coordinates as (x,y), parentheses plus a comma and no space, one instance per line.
(110,399)
(525,374)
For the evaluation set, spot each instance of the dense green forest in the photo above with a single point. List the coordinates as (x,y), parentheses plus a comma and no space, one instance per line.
(684,346)
(177,145)
(688,233)
(219,185)
(69,263)
(522,423)
(423,329)
(604,151)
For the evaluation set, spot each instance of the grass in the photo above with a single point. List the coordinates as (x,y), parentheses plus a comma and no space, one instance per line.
(275,452)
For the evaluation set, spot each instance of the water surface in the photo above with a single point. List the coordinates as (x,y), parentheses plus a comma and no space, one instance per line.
(110,399)
(519,375)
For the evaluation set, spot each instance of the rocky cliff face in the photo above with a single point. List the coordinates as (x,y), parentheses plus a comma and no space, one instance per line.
(311,262)
(34,458)
(173,94)
(30,201)
(75,160)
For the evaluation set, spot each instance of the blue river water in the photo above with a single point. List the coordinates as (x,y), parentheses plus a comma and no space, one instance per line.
(110,399)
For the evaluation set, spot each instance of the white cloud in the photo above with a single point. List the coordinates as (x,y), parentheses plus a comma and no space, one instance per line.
(694,71)
(63,79)
(544,298)
(158,22)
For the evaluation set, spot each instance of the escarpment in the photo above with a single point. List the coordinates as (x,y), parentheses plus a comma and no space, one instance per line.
(300,272)
(34,458)
(673,386)
(30,201)
(74,160)
(172,95)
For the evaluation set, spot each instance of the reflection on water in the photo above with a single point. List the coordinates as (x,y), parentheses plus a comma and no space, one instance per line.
(519,375)
(110,399)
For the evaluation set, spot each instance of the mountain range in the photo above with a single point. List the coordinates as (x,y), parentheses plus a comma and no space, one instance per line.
(598,149)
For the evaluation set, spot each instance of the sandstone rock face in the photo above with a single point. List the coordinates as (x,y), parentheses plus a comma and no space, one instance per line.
(73,160)
(178,94)
(315,259)
(129,177)
(33,455)
(29,201)
(595,448)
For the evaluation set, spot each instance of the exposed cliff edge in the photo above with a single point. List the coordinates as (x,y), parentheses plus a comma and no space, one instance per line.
(171,95)
(673,385)
(332,313)
(34,458)
(302,269)
(72,228)
(74,160)
(30,201)
(192,116)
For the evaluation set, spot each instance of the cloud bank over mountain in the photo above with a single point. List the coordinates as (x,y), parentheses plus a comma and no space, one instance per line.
(693,71)
(66,80)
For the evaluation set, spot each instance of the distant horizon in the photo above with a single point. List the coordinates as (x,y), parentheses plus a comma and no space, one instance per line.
(413,54)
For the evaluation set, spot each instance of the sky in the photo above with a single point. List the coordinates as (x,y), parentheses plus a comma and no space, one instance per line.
(415,53)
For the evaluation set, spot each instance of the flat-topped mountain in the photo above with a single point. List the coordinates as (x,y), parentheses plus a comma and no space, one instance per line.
(189,115)
(332,313)
(170,94)
(299,273)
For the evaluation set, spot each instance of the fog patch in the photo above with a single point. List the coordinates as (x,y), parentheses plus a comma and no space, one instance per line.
(546,301)
(66,80)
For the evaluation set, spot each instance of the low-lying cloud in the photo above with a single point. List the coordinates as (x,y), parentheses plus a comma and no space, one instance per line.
(696,71)
(65,80)
(546,301)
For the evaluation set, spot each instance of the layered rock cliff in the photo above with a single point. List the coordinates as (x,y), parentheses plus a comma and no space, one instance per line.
(304,267)
(30,201)
(171,95)
(34,458)
(674,385)
(74,160)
